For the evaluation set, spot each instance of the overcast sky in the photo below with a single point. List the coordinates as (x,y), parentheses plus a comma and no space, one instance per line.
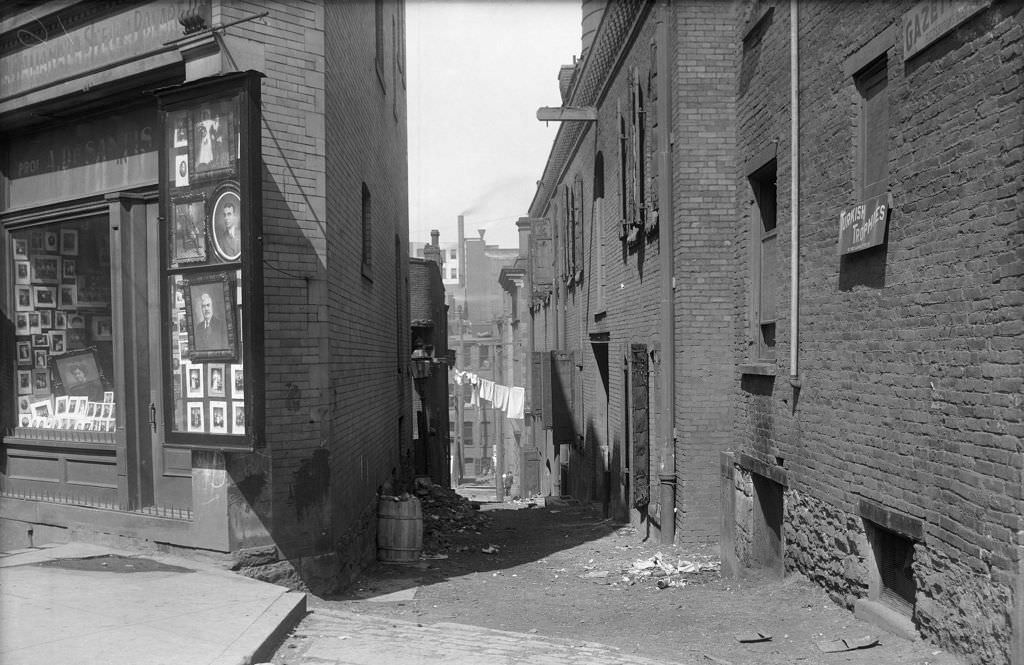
(477,72)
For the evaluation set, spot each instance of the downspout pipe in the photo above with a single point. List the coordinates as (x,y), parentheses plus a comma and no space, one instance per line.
(666,256)
(794,198)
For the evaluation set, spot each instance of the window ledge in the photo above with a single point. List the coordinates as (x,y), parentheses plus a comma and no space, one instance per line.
(760,369)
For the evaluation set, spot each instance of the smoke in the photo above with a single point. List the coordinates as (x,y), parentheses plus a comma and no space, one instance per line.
(496,188)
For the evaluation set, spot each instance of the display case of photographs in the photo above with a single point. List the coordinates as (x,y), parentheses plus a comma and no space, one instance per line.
(210,185)
(63,341)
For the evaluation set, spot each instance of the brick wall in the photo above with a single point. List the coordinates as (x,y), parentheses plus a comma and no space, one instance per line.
(910,353)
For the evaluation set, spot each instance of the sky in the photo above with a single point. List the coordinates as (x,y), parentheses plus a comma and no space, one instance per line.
(477,71)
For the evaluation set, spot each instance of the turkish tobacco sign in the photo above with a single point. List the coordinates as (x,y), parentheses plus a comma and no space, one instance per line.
(863,225)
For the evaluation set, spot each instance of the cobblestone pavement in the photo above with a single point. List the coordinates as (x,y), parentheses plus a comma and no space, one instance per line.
(552,583)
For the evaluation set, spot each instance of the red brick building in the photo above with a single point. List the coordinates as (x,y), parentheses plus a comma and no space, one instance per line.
(133,167)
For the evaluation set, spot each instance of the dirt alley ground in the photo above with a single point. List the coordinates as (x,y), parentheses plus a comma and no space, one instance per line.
(561,570)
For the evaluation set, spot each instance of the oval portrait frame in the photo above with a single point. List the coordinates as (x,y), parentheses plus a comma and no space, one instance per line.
(226,194)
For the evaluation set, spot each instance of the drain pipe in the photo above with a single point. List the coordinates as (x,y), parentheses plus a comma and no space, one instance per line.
(794,199)
(667,470)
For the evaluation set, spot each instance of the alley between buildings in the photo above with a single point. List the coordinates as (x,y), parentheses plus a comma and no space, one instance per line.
(529,580)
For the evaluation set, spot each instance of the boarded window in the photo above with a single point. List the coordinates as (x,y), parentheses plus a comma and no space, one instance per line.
(873,148)
(763,184)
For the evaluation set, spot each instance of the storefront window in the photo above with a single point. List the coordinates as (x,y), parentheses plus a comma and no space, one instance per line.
(63,327)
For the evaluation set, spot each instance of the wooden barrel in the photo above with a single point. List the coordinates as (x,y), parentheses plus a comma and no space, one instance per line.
(399,529)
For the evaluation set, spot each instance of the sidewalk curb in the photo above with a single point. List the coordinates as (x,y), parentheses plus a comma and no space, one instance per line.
(261,639)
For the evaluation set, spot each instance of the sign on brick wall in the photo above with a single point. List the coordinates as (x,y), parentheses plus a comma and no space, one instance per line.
(863,225)
(931,19)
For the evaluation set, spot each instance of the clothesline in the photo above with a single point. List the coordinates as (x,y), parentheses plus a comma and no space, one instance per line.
(510,399)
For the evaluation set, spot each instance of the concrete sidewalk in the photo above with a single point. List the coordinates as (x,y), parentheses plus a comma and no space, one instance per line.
(82,604)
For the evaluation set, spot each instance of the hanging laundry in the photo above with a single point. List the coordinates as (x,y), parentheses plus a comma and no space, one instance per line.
(500,396)
(516,402)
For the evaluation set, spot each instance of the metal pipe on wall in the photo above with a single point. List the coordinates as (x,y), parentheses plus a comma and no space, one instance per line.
(794,198)
(666,255)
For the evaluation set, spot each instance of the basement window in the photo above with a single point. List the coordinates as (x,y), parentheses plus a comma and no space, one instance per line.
(894,558)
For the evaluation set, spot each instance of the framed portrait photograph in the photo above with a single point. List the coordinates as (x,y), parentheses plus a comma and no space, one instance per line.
(214,140)
(22,272)
(24,420)
(67,270)
(102,329)
(23,298)
(79,373)
(40,340)
(41,381)
(69,242)
(188,232)
(46,318)
(181,170)
(42,409)
(76,405)
(237,382)
(195,417)
(108,397)
(60,319)
(237,418)
(76,320)
(20,247)
(193,380)
(58,341)
(61,406)
(24,403)
(24,382)
(210,317)
(215,384)
(218,417)
(21,323)
(226,223)
(40,358)
(68,296)
(24,352)
(34,323)
(44,296)
(50,242)
(179,121)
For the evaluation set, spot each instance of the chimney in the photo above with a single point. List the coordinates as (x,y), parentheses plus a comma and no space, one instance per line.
(524,236)
(565,77)
(592,11)
(481,232)
(434,235)
(462,251)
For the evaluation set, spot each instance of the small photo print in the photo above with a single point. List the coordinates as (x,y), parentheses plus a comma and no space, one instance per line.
(237,382)
(108,396)
(218,417)
(41,381)
(181,133)
(50,241)
(24,352)
(46,318)
(68,296)
(60,320)
(90,410)
(41,340)
(24,382)
(34,324)
(195,417)
(68,271)
(42,409)
(76,405)
(24,420)
(22,272)
(23,405)
(40,359)
(61,404)
(20,246)
(58,341)
(181,170)
(44,296)
(23,298)
(102,329)
(76,320)
(194,380)
(238,418)
(215,387)
(69,242)
(21,326)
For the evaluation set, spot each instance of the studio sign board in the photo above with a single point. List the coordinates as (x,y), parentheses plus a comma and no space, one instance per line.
(931,19)
(863,225)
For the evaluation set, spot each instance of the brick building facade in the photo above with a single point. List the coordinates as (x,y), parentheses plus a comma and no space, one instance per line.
(189,114)
(859,424)
(880,453)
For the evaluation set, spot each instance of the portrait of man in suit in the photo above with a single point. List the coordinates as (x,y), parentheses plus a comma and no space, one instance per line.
(227,226)
(210,331)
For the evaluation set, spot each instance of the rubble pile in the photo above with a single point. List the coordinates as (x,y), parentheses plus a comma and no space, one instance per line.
(446,513)
(667,574)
